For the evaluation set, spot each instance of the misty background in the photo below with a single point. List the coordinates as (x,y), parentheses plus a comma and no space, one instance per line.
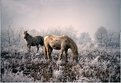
(42,15)
(85,21)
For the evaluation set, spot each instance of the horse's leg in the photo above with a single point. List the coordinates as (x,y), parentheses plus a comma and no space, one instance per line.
(50,51)
(66,54)
(60,56)
(29,47)
(62,50)
(45,52)
(61,53)
(37,48)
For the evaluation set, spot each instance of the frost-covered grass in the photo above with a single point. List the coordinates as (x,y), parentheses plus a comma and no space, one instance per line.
(100,65)
(95,65)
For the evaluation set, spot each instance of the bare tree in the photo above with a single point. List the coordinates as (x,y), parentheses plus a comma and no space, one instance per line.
(115,40)
(11,36)
(70,32)
(101,36)
(84,38)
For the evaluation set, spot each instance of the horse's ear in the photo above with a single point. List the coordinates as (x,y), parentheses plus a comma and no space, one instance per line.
(25,32)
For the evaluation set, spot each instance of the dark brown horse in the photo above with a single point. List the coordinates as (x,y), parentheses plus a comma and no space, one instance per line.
(33,41)
(62,43)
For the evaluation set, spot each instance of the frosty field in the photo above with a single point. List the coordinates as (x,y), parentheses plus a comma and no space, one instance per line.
(95,65)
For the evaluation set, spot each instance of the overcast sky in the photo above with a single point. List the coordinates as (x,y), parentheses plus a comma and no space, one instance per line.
(83,15)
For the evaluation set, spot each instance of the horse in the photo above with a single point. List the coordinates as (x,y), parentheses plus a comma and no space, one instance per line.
(62,43)
(33,41)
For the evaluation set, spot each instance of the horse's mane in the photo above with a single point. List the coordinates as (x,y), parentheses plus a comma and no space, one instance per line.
(73,45)
(28,37)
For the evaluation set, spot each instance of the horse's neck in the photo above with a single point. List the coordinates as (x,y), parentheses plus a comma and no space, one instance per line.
(74,48)
(29,38)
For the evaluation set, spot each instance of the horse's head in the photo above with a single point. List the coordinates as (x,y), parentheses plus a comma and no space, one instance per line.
(25,34)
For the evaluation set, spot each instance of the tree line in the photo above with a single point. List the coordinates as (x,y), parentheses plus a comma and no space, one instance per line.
(102,37)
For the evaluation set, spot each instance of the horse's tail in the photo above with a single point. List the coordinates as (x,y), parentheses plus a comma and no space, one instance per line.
(41,41)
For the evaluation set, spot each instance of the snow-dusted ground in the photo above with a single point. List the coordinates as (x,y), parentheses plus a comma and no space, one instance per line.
(95,65)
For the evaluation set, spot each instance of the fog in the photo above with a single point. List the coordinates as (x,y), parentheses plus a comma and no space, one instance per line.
(93,25)
(42,15)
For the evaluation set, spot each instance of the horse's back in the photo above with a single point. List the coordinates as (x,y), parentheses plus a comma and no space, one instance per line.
(38,40)
(53,38)
(53,41)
